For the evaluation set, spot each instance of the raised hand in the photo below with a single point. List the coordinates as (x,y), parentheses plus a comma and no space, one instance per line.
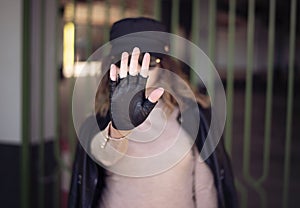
(128,103)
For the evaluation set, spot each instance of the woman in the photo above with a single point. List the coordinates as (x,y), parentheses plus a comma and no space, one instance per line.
(129,103)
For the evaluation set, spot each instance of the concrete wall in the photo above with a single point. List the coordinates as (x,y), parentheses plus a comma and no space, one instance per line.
(10,68)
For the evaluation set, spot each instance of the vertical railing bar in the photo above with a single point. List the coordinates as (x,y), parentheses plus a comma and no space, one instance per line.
(174,24)
(248,99)
(262,195)
(122,8)
(268,118)
(26,95)
(175,17)
(211,43)
(230,75)
(195,36)
(89,28)
(41,188)
(157,9)
(241,189)
(56,188)
(195,21)
(212,29)
(141,7)
(248,105)
(107,20)
(288,141)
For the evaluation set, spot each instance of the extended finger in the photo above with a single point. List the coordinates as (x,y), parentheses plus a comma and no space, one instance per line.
(155,95)
(134,62)
(145,65)
(113,73)
(113,78)
(124,65)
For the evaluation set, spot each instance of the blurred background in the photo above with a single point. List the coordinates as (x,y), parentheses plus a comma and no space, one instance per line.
(254,45)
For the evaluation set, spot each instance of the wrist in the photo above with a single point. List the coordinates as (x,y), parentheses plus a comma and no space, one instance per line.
(117,134)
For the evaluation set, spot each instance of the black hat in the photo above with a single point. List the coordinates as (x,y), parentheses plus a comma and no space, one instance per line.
(147,42)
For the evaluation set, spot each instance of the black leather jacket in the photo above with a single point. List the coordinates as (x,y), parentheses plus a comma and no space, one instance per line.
(88,178)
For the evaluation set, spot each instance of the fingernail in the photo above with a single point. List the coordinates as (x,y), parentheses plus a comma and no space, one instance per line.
(136,50)
(161,89)
(112,66)
(124,56)
(113,75)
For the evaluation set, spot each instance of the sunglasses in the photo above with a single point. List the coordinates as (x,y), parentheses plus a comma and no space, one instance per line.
(154,61)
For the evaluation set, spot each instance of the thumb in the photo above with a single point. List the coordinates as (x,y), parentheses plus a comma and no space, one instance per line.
(156,94)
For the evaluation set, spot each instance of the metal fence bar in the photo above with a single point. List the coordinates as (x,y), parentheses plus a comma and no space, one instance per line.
(107,21)
(230,94)
(248,93)
(230,76)
(288,141)
(122,8)
(269,92)
(211,43)
(262,195)
(141,7)
(25,162)
(195,22)
(175,17)
(89,28)
(212,29)
(195,37)
(243,191)
(41,172)
(157,9)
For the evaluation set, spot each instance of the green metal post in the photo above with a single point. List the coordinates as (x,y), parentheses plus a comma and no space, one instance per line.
(243,191)
(41,187)
(212,29)
(248,93)
(107,20)
(211,43)
(175,17)
(122,8)
(248,100)
(268,118)
(195,37)
(288,141)
(157,9)
(25,161)
(195,21)
(230,76)
(89,28)
(141,7)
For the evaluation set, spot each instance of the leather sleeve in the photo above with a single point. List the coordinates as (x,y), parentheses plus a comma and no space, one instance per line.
(87,177)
